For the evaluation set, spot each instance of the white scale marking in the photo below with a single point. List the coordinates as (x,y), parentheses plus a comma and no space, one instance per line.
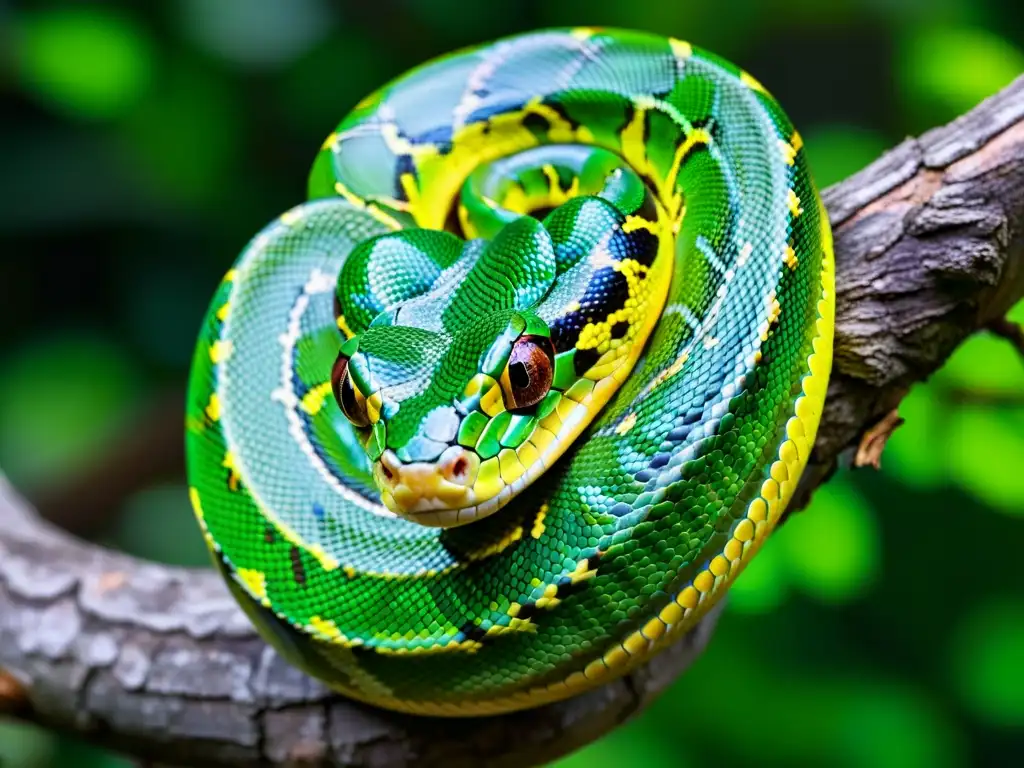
(709,253)
(678,308)
(318,283)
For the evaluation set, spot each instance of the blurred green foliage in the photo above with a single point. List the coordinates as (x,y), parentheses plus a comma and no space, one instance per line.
(120,56)
(143,144)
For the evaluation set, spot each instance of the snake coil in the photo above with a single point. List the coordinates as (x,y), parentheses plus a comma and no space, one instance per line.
(506,406)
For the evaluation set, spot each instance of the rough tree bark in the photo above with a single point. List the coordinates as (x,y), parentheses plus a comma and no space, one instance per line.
(158,661)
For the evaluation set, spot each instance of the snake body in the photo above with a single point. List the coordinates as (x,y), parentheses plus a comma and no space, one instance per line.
(505,407)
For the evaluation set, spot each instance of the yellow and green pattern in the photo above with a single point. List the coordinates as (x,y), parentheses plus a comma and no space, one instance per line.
(505,407)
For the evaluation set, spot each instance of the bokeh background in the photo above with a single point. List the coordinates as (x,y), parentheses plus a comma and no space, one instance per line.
(142,144)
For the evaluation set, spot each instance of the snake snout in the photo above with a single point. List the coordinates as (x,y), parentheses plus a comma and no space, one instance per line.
(459,466)
(422,486)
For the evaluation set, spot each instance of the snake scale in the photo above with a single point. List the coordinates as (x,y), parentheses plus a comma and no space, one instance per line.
(504,408)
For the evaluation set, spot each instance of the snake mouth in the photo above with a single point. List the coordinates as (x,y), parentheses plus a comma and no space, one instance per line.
(411,489)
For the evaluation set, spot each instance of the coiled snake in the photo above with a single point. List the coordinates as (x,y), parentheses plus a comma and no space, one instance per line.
(506,406)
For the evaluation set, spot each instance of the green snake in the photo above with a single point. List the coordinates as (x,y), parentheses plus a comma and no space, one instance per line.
(504,408)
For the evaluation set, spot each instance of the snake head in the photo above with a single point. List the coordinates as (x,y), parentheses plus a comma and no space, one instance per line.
(447,416)
(473,365)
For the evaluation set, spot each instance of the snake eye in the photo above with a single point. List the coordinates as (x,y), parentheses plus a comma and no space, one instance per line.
(528,374)
(351,401)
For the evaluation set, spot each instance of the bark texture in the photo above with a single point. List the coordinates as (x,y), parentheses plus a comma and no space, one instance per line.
(158,661)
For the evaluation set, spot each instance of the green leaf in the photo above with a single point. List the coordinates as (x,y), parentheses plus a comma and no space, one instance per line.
(72,752)
(832,549)
(640,742)
(985,662)
(1016,313)
(25,746)
(955,67)
(984,361)
(891,726)
(88,62)
(984,449)
(915,453)
(755,699)
(943,440)
(764,584)
(187,136)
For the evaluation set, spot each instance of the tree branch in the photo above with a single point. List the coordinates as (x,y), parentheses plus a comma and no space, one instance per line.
(1009,330)
(159,662)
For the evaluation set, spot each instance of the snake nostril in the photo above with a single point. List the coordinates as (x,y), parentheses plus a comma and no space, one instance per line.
(458,466)
(388,471)
(459,469)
